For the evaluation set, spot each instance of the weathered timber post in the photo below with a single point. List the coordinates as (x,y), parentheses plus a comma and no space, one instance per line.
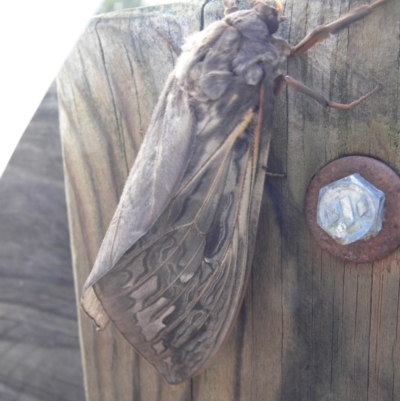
(311,327)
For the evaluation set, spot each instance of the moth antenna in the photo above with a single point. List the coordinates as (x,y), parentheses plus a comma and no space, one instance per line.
(169,42)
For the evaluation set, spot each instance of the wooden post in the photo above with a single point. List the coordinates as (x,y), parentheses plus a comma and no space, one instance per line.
(311,327)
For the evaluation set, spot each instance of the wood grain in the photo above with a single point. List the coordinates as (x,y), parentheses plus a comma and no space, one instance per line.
(311,327)
(39,343)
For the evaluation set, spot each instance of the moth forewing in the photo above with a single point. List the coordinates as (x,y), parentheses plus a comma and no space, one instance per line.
(149,185)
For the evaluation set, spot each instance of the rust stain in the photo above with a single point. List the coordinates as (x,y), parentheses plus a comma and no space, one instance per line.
(382,177)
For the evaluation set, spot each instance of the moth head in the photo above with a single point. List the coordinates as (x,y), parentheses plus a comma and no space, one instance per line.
(269,14)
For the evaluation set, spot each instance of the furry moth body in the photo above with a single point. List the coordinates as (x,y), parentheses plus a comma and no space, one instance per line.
(172,269)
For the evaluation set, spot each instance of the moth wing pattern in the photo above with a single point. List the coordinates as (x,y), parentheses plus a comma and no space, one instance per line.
(148,188)
(173,267)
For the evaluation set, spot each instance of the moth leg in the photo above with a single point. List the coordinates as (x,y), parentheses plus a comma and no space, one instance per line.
(320,99)
(257,133)
(230,6)
(322,32)
(279,82)
(172,45)
(273,175)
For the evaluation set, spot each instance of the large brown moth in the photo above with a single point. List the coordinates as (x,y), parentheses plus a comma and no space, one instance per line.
(172,270)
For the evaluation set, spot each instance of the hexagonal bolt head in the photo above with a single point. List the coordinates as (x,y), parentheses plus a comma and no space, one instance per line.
(350,209)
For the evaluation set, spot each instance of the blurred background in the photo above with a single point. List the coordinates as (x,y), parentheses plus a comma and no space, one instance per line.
(39,342)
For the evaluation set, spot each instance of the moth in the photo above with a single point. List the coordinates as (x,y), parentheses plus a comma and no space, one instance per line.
(172,270)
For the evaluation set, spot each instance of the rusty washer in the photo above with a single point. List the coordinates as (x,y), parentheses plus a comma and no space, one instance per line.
(380,176)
